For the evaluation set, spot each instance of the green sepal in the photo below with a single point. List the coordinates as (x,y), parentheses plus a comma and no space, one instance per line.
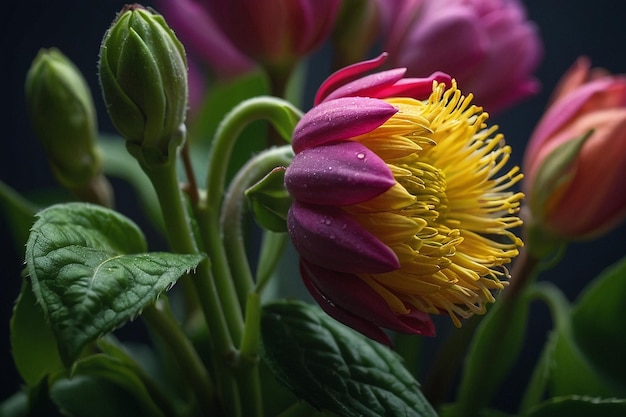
(555,171)
(270,201)
(334,368)
(90,273)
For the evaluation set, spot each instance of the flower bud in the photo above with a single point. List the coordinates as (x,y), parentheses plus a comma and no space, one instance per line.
(63,117)
(143,75)
(575,160)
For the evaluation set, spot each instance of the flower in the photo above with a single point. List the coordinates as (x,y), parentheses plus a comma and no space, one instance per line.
(278,31)
(575,160)
(200,33)
(143,75)
(488,46)
(400,210)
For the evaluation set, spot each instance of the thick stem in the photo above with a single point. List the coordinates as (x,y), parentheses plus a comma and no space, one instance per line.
(165,181)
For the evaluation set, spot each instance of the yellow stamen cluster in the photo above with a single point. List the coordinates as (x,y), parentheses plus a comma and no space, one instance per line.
(449,216)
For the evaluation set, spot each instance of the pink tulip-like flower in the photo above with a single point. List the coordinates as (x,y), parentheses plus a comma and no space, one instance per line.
(575,162)
(488,46)
(397,197)
(203,38)
(275,32)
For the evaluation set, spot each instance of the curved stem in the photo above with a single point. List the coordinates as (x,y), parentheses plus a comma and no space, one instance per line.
(283,117)
(233,210)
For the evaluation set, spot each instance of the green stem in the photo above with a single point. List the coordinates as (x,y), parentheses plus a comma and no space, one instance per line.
(283,116)
(272,248)
(181,348)
(233,211)
(165,181)
(560,310)
(248,375)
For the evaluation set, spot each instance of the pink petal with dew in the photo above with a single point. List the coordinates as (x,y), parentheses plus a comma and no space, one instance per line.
(347,74)
(327,236)
(340,120)
(337,174)
(351,296)
(368,85)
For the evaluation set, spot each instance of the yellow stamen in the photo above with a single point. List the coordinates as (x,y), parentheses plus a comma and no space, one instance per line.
(449,216)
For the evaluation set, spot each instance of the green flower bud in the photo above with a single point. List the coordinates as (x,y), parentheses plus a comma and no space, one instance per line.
(143,75)
(63,117)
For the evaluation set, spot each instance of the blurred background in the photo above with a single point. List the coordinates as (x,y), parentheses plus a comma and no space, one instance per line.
(568,29)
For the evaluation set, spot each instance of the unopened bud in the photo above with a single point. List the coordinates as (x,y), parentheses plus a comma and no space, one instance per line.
(143,75)
(63,117)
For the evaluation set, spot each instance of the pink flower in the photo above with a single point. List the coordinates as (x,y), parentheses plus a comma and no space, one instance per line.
(202,37)
(488,46)
(576,159)
(396,192)
(275,32)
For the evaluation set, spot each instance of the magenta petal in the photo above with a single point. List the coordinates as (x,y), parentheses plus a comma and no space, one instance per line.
(351,294)
(346,75)
(366,328)
(417,88)
(340,120)
(338,174)
(369,85)
(329,237)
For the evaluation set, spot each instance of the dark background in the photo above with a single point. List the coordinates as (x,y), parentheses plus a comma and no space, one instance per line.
(568,29)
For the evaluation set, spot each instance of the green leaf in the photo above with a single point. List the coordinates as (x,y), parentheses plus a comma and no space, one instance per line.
(334,368)
(123,373)
(590,344)
(598,325)
(19,213)
(270,201)
(579,406)
(85,395)
(89,274)
(33,344)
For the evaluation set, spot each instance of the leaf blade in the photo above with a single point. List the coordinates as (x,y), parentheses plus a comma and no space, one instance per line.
(90,275)
(334,368)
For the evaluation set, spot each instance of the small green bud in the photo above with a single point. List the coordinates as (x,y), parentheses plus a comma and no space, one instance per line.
(143,75)
(63,117)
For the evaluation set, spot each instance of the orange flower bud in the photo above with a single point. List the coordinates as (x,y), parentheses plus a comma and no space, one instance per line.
(576,159)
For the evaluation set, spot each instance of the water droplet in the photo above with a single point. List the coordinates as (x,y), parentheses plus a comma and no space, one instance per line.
(360,155)
(328,221)
(332,236)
